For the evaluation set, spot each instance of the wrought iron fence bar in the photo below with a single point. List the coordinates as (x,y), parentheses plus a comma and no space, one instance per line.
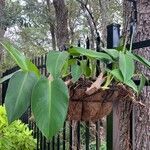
(45,143)
(97,135)
(37,138)
(53,143)
(48,145)
(58,142)
(41,141)
(87,136)
(70,140)
(141,44)
(64,137)
(78,135)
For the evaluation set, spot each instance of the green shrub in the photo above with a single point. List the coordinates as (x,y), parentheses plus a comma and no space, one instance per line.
(15,136)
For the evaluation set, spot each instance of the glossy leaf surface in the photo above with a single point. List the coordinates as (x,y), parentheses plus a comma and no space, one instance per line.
(117,74)
(55,62)
(112,52)
(131,84)
(24,63)
(49,105)
(139,59)
(76,72)
(142,83)
(18,94)
(18,57)
(89,53)
(126,65)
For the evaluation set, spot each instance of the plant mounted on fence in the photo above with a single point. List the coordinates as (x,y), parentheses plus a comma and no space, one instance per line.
(70,86)
(16,135)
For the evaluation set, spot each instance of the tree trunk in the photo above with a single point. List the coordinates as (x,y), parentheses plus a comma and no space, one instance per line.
(139,139)
(106,17)
(61,12)
(142,114)
(52,24)
(52,30)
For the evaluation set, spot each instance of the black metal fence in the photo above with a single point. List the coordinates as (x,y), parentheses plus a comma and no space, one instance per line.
(76,135)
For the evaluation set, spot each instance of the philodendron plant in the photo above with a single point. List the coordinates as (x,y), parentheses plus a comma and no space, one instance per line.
(49,96)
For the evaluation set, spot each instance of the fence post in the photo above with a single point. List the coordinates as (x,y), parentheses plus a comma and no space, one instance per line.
(113,36)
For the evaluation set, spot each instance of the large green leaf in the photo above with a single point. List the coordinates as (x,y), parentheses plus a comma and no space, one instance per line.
(126,65)
(139,59)
(131,84)
(76,72)
(112,52)
(142,83)
(49,105)
(24,63)
(85,69)
(19,58)
(7,77)
(32,67)
(89,53)
(55,62)
(117,74)
(18,94)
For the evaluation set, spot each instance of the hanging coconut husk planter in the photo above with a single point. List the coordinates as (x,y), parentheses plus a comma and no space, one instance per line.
(94,106)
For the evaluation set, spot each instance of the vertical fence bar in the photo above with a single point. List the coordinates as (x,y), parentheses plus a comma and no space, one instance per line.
(87,136)
(98,49)
(37,138)
(97,136)
(113,36)
(40,134)
(97,73)
(64,137)
(70,137)
(45,73)
(78,123)
(58,142)
(3,89)
(53,143)
(78,135)
(36,62)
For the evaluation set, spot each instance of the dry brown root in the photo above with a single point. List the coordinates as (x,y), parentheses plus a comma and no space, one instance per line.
(96,85)
(68,82)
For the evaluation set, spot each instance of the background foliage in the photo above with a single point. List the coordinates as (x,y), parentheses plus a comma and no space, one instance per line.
(16,135)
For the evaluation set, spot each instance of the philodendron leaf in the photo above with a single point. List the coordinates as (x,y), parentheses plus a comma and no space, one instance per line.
(76,72)
(142,83)
(32,67)
(5,78)
(112,52)
(85,69)
(89,53)
(19,58)
(24,63)
(55,62)
(49,104)
(126,65)
(131,84)
(117,74)
(139,59)
(18,94)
